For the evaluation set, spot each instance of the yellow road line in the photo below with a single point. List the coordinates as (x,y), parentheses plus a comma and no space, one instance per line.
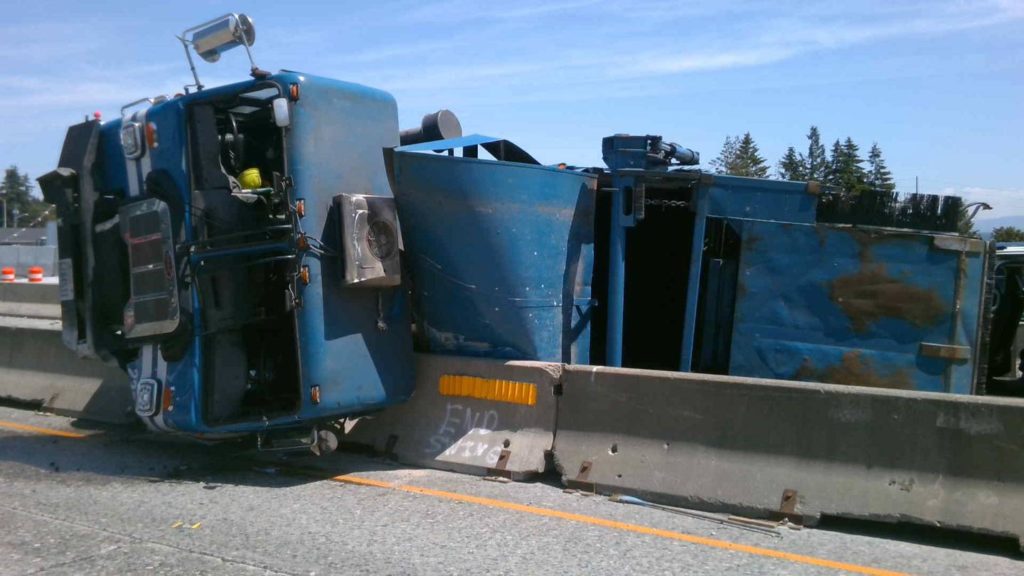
(635,528)
(551,513)
(38,430)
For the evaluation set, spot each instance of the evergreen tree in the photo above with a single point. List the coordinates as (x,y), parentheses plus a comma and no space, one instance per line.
(815,163)
(834,166)
(879,176)
(740,157)
(1007,234)
(791,167)
(750,163)
(16,188)
(726,161)
(844,168)
(855,178)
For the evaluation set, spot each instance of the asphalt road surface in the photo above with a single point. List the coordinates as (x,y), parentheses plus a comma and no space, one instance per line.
(76,498)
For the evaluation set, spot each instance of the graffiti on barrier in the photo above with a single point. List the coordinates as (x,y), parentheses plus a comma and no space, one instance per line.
(466,432)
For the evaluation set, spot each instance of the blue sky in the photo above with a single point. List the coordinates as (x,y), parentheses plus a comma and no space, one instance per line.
(938,84)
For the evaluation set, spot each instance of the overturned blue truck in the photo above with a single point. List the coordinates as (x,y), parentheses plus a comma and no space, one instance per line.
(264,257)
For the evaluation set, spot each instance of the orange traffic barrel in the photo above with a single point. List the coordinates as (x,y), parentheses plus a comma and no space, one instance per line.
(7,274)
(35,274)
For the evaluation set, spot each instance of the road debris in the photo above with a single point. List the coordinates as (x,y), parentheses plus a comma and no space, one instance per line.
(748,524)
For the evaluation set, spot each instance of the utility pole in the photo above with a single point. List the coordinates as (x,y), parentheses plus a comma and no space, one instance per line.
(5,210)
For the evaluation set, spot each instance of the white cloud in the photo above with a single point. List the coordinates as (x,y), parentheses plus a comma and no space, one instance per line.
(468,10)
(654,41)
(713,60)
(622,42)
(832,27)
(530,52)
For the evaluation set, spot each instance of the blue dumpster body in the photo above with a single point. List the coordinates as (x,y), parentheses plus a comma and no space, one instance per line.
(854,305)
(501,254)
(753,277)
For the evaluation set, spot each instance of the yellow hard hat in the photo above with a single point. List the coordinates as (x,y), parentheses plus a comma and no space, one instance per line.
(250,179)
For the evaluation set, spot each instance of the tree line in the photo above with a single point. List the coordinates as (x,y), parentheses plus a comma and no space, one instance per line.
(842,168)
(23,209)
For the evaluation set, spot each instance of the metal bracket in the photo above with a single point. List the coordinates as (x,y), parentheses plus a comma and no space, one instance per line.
(582,480)
(787,507)
(959,244)
(945,351)
(286,440)
(639,197)
(500,467)
(389,447)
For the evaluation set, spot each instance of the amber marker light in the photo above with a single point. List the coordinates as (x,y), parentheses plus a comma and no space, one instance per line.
(168,400)
(151,137)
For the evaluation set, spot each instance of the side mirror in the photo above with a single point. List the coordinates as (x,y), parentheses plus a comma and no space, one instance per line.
(213,38)
(58,187)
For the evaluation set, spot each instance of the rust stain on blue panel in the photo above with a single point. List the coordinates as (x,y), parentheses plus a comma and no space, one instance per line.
(857,370)
(848,305)
(871,294)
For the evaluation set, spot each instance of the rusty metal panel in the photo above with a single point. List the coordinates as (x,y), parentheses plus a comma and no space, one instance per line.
(859,306)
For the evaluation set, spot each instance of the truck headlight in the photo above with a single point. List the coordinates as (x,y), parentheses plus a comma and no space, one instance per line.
(131,139)
(147,394)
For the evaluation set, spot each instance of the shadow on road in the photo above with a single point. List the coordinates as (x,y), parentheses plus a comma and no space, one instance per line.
(130,451)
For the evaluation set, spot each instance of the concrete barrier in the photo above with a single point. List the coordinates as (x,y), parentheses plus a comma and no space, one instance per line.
(22,257)
(30,293)
(470,415)
(763,447)
(35,367)
(743,445)
(30,300)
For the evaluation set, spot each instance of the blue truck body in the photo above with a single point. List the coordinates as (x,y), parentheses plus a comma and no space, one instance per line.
(352,344)
(265,256)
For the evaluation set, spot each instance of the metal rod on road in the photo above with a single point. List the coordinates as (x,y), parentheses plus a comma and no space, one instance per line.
(724,522)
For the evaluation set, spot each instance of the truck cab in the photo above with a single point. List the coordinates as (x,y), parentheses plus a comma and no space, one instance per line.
(236,251)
